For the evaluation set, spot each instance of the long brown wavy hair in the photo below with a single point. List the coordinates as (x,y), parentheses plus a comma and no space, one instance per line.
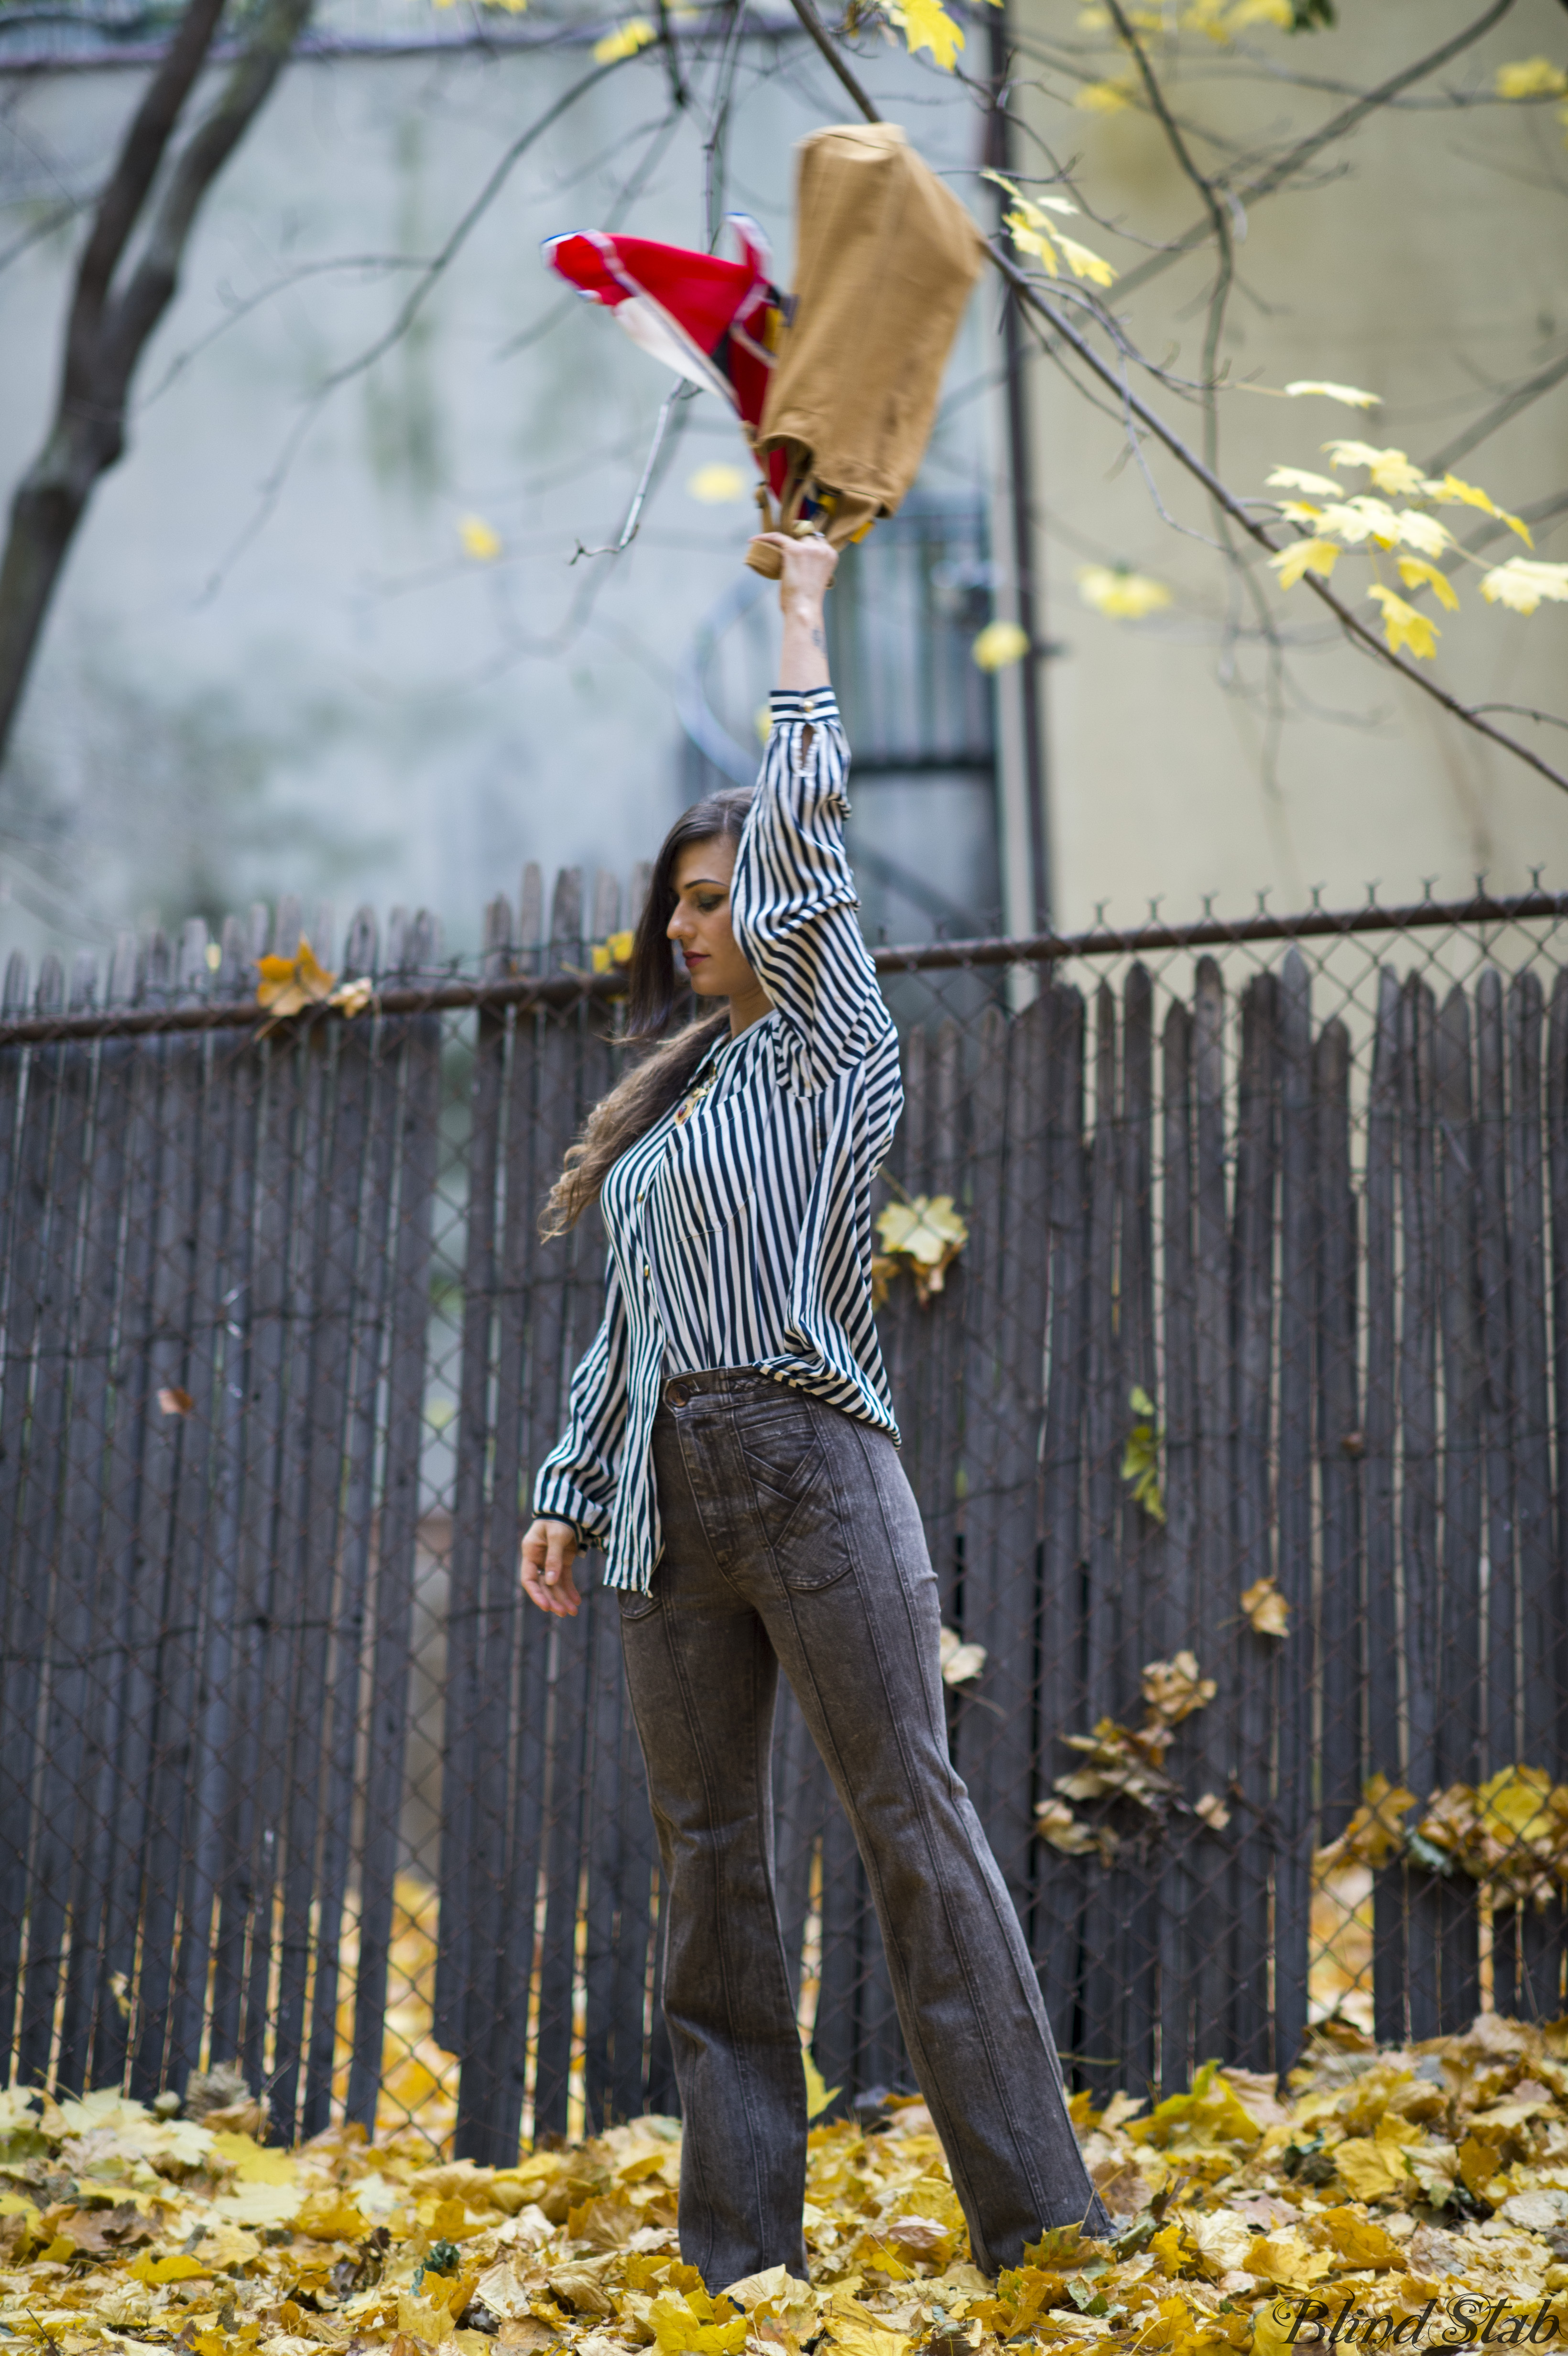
(659,1078)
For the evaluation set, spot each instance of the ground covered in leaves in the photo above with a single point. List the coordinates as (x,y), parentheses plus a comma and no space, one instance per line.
(1417,2198)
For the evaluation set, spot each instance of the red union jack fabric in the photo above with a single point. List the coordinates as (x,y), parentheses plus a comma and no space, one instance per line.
(715,322)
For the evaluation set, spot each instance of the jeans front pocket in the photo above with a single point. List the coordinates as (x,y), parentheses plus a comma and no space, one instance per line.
(795,1496)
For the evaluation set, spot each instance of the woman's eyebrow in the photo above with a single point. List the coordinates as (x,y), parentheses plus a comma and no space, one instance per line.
(714,883)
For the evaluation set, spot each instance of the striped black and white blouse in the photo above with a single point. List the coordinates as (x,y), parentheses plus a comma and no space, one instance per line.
(740,1235)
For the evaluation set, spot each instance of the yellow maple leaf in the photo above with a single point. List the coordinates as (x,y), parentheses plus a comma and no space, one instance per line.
(818,2092)
(1266,1608)
(1032,237)
(1115,590)
(478,540)
(1416,574)
(1297,479)
(252,2162)
(1450,491)
(927,1234)
(1173,1690)
(1531,78)
(1521,585)
(927,25)
(717,484)
(332,2217)
(1391,470)
(352,998)
(1106,97)
(624,42)
(998,644)
(288,985)
(1350,395)
(1032,206)
(960,1662)
(1403,625)
(1314,555)
(1376,1831)
(175,2268)
(1371,2169)
(865,2335)
(1084,263)
(680,2328)
(615,951)
(1423,531)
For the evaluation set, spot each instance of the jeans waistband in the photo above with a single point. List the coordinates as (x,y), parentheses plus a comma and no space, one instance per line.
(723,1382)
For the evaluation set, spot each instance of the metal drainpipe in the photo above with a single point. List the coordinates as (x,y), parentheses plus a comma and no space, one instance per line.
(998,156)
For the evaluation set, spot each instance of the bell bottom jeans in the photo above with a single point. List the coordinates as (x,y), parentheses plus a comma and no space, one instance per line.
(792,1539)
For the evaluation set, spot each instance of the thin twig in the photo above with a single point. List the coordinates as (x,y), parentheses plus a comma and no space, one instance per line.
(633,524)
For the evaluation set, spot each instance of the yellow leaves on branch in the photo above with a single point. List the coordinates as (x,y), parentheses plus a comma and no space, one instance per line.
(1033,231)
(1402,625)
(1331,524)
(1304,556)
(927,25)
(1124,594)
(1531,78)
(624,42)
(1350,395)
(1521,585)
(1416,574)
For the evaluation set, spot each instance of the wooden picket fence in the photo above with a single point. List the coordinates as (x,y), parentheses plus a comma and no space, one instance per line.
(282,1349)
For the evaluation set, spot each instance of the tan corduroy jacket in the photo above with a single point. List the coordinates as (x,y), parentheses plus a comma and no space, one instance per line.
(885,256)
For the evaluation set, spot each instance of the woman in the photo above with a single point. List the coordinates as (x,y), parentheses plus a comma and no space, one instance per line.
(731,1446)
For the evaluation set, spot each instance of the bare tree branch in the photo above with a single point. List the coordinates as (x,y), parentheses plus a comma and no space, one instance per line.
(1493,420)
(1286,167)
(109,327)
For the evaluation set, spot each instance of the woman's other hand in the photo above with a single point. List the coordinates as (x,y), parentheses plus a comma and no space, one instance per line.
(549,1551)
(808,567)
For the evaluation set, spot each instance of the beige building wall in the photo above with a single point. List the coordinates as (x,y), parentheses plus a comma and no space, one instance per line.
(1428,262)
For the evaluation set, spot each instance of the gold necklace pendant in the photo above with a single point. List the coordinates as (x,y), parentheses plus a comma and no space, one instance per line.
(692,1101)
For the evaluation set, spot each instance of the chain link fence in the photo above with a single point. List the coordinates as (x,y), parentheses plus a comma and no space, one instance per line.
(1227,1317)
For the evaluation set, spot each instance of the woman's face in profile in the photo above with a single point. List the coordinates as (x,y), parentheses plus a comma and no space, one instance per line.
(699,926)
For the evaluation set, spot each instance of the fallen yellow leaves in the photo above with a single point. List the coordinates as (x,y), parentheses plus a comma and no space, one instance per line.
(1384,2187)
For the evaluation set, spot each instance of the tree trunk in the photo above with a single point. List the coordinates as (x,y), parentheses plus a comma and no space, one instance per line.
(109,327)
(45,512)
